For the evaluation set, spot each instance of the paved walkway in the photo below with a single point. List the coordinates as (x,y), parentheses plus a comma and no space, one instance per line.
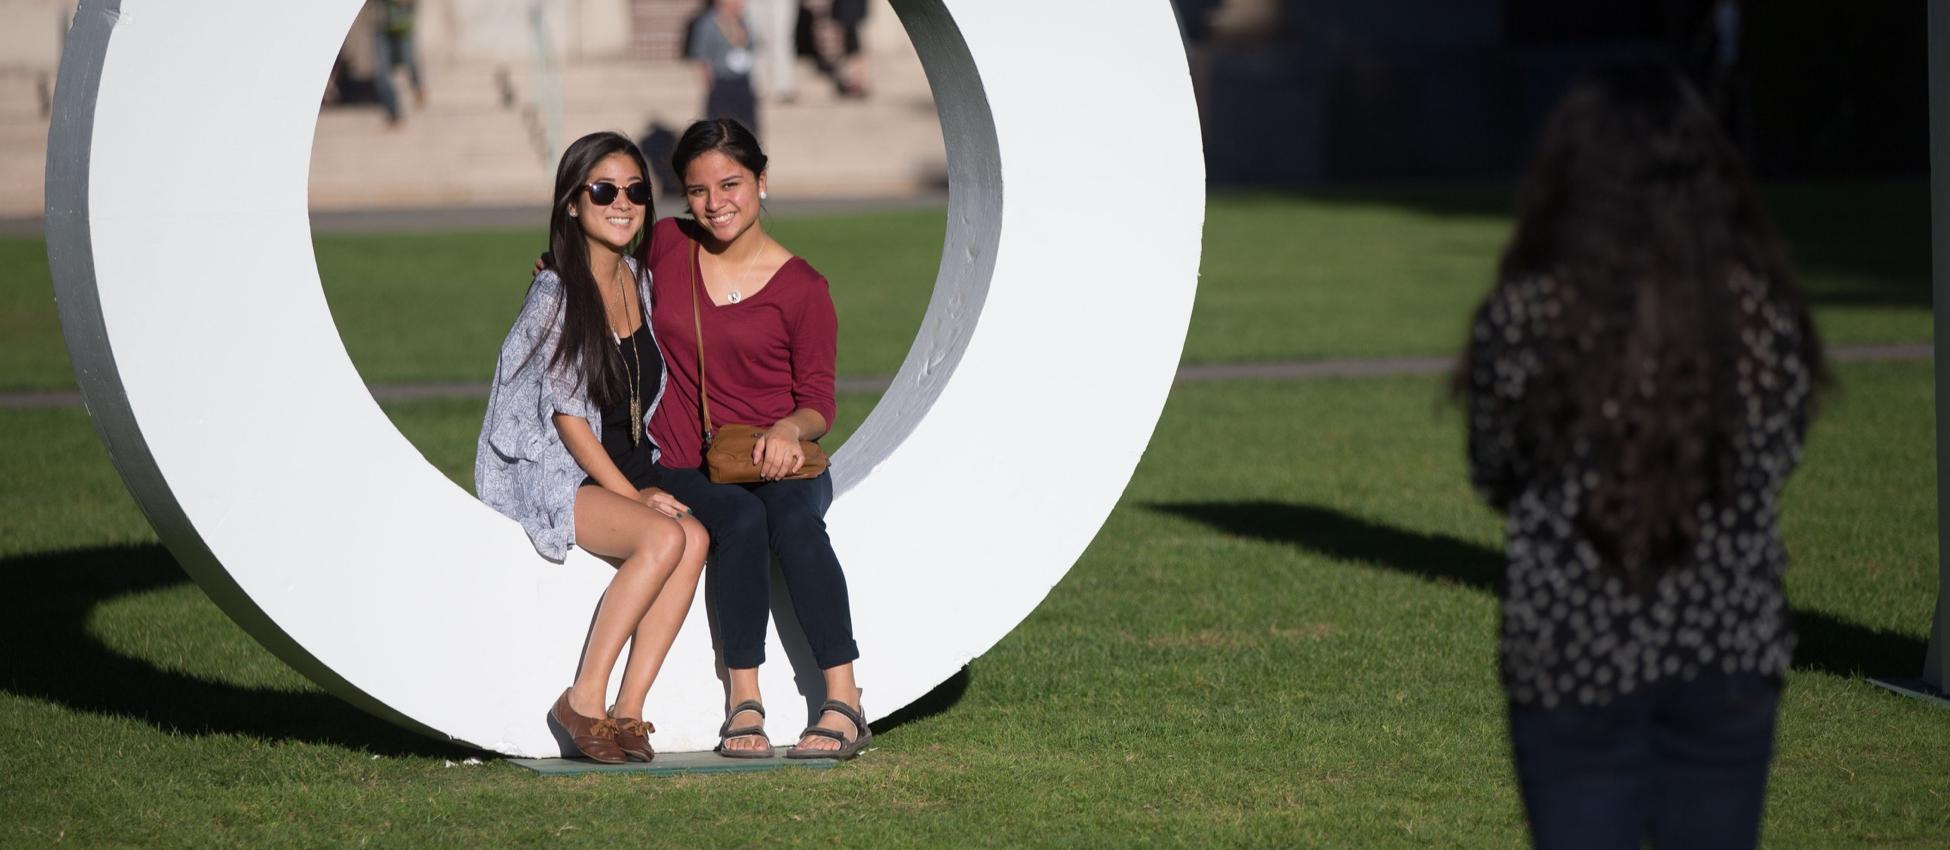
(1268,370)
(515,217)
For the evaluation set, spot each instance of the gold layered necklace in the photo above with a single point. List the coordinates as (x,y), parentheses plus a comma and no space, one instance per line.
(635,377)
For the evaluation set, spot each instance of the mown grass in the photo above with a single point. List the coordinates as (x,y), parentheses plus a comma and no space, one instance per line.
(1287,646)
(1327,275)
(1283,636)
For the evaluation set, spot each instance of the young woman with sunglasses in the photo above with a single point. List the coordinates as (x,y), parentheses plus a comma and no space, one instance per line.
(565,449)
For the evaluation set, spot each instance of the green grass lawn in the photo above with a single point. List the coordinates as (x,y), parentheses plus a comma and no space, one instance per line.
(1291,646)
(1284,277)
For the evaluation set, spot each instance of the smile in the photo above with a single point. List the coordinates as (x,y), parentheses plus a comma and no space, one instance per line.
(717,220)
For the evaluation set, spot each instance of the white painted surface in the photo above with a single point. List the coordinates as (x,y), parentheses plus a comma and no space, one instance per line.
(204,347)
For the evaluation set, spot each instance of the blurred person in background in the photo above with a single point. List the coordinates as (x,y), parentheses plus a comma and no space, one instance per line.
(1639,384)
(392,50)
(850,73)
(722,46)
(774,23)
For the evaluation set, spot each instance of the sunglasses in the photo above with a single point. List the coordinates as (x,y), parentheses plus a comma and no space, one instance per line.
(603,193)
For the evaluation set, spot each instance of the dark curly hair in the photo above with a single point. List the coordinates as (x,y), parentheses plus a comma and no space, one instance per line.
(1638,207)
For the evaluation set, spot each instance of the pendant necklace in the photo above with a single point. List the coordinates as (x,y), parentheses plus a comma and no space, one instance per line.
(734,296)
(635,377)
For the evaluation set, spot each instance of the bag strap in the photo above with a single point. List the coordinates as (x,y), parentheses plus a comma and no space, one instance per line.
(697,325)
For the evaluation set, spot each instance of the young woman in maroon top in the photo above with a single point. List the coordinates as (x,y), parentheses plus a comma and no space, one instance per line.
(769,339)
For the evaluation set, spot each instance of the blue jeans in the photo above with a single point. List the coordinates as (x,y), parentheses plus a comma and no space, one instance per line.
(1683,764)
(749,522)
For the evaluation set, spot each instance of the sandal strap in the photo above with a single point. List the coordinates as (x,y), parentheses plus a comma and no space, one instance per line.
(823,732)
(851,714)
(751,705)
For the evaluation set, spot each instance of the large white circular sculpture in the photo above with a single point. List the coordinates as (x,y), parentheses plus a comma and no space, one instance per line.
(181,249)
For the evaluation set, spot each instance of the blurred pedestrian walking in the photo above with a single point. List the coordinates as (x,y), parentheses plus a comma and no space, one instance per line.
(850,72)
(1639,385)
(774,24)
(721,44)
(393,49)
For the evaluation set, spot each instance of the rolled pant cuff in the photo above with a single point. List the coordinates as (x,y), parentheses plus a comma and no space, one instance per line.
(834,657)
(744,659)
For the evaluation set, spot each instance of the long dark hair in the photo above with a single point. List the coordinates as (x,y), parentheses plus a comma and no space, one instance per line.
(1638,208)
(585,337)
(724,135)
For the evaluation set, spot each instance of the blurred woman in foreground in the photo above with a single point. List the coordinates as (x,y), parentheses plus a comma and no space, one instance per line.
(1639,384)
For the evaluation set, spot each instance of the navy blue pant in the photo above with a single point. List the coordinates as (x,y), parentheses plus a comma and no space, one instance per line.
(749,522)
(1683,764)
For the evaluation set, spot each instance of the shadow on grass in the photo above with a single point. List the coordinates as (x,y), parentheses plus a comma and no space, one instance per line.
(52,656)
(934,702)
(1828,644)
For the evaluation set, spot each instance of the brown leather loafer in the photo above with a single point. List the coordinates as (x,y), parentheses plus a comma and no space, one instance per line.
(633,737)
(594,736)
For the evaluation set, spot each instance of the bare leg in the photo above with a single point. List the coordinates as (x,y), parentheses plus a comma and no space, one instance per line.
(839,686)
(649,545)
(658,629)
(744,686)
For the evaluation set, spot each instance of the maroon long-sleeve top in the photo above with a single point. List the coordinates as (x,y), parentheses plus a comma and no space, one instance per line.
(766,356)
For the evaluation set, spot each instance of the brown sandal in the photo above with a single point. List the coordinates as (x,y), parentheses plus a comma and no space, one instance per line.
(633,737)
(726,733)
(594,736)
(847,749)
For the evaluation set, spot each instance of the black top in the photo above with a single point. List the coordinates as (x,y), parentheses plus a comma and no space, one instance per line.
(1572,633)
(642,361)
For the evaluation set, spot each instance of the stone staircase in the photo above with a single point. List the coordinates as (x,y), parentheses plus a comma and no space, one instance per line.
(23,142)
(482,138)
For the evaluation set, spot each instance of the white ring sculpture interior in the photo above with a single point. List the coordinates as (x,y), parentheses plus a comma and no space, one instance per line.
(207,355)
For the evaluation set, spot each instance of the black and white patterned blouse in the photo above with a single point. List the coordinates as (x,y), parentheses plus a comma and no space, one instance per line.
(1572,632)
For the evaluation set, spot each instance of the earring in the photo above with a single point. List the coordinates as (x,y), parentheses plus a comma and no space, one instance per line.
(761,194)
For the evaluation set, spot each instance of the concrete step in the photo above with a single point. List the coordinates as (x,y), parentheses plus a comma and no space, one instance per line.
(477,141)
(22,95)
(24,134)
(21,173)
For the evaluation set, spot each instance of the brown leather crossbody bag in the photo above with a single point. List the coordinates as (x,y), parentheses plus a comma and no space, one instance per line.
(728,449)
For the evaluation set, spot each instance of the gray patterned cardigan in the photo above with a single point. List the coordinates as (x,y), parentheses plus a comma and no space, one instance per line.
(521,467)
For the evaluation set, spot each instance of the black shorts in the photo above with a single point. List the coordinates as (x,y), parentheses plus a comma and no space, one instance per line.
(637,465)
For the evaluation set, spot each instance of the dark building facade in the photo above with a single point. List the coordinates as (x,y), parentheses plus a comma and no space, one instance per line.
(1312,92)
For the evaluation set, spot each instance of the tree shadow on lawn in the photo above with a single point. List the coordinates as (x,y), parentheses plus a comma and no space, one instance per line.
(52,656)
(1828,644)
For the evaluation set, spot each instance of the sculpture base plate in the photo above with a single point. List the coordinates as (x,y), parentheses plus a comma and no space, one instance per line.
(1912,686)
(670,764)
